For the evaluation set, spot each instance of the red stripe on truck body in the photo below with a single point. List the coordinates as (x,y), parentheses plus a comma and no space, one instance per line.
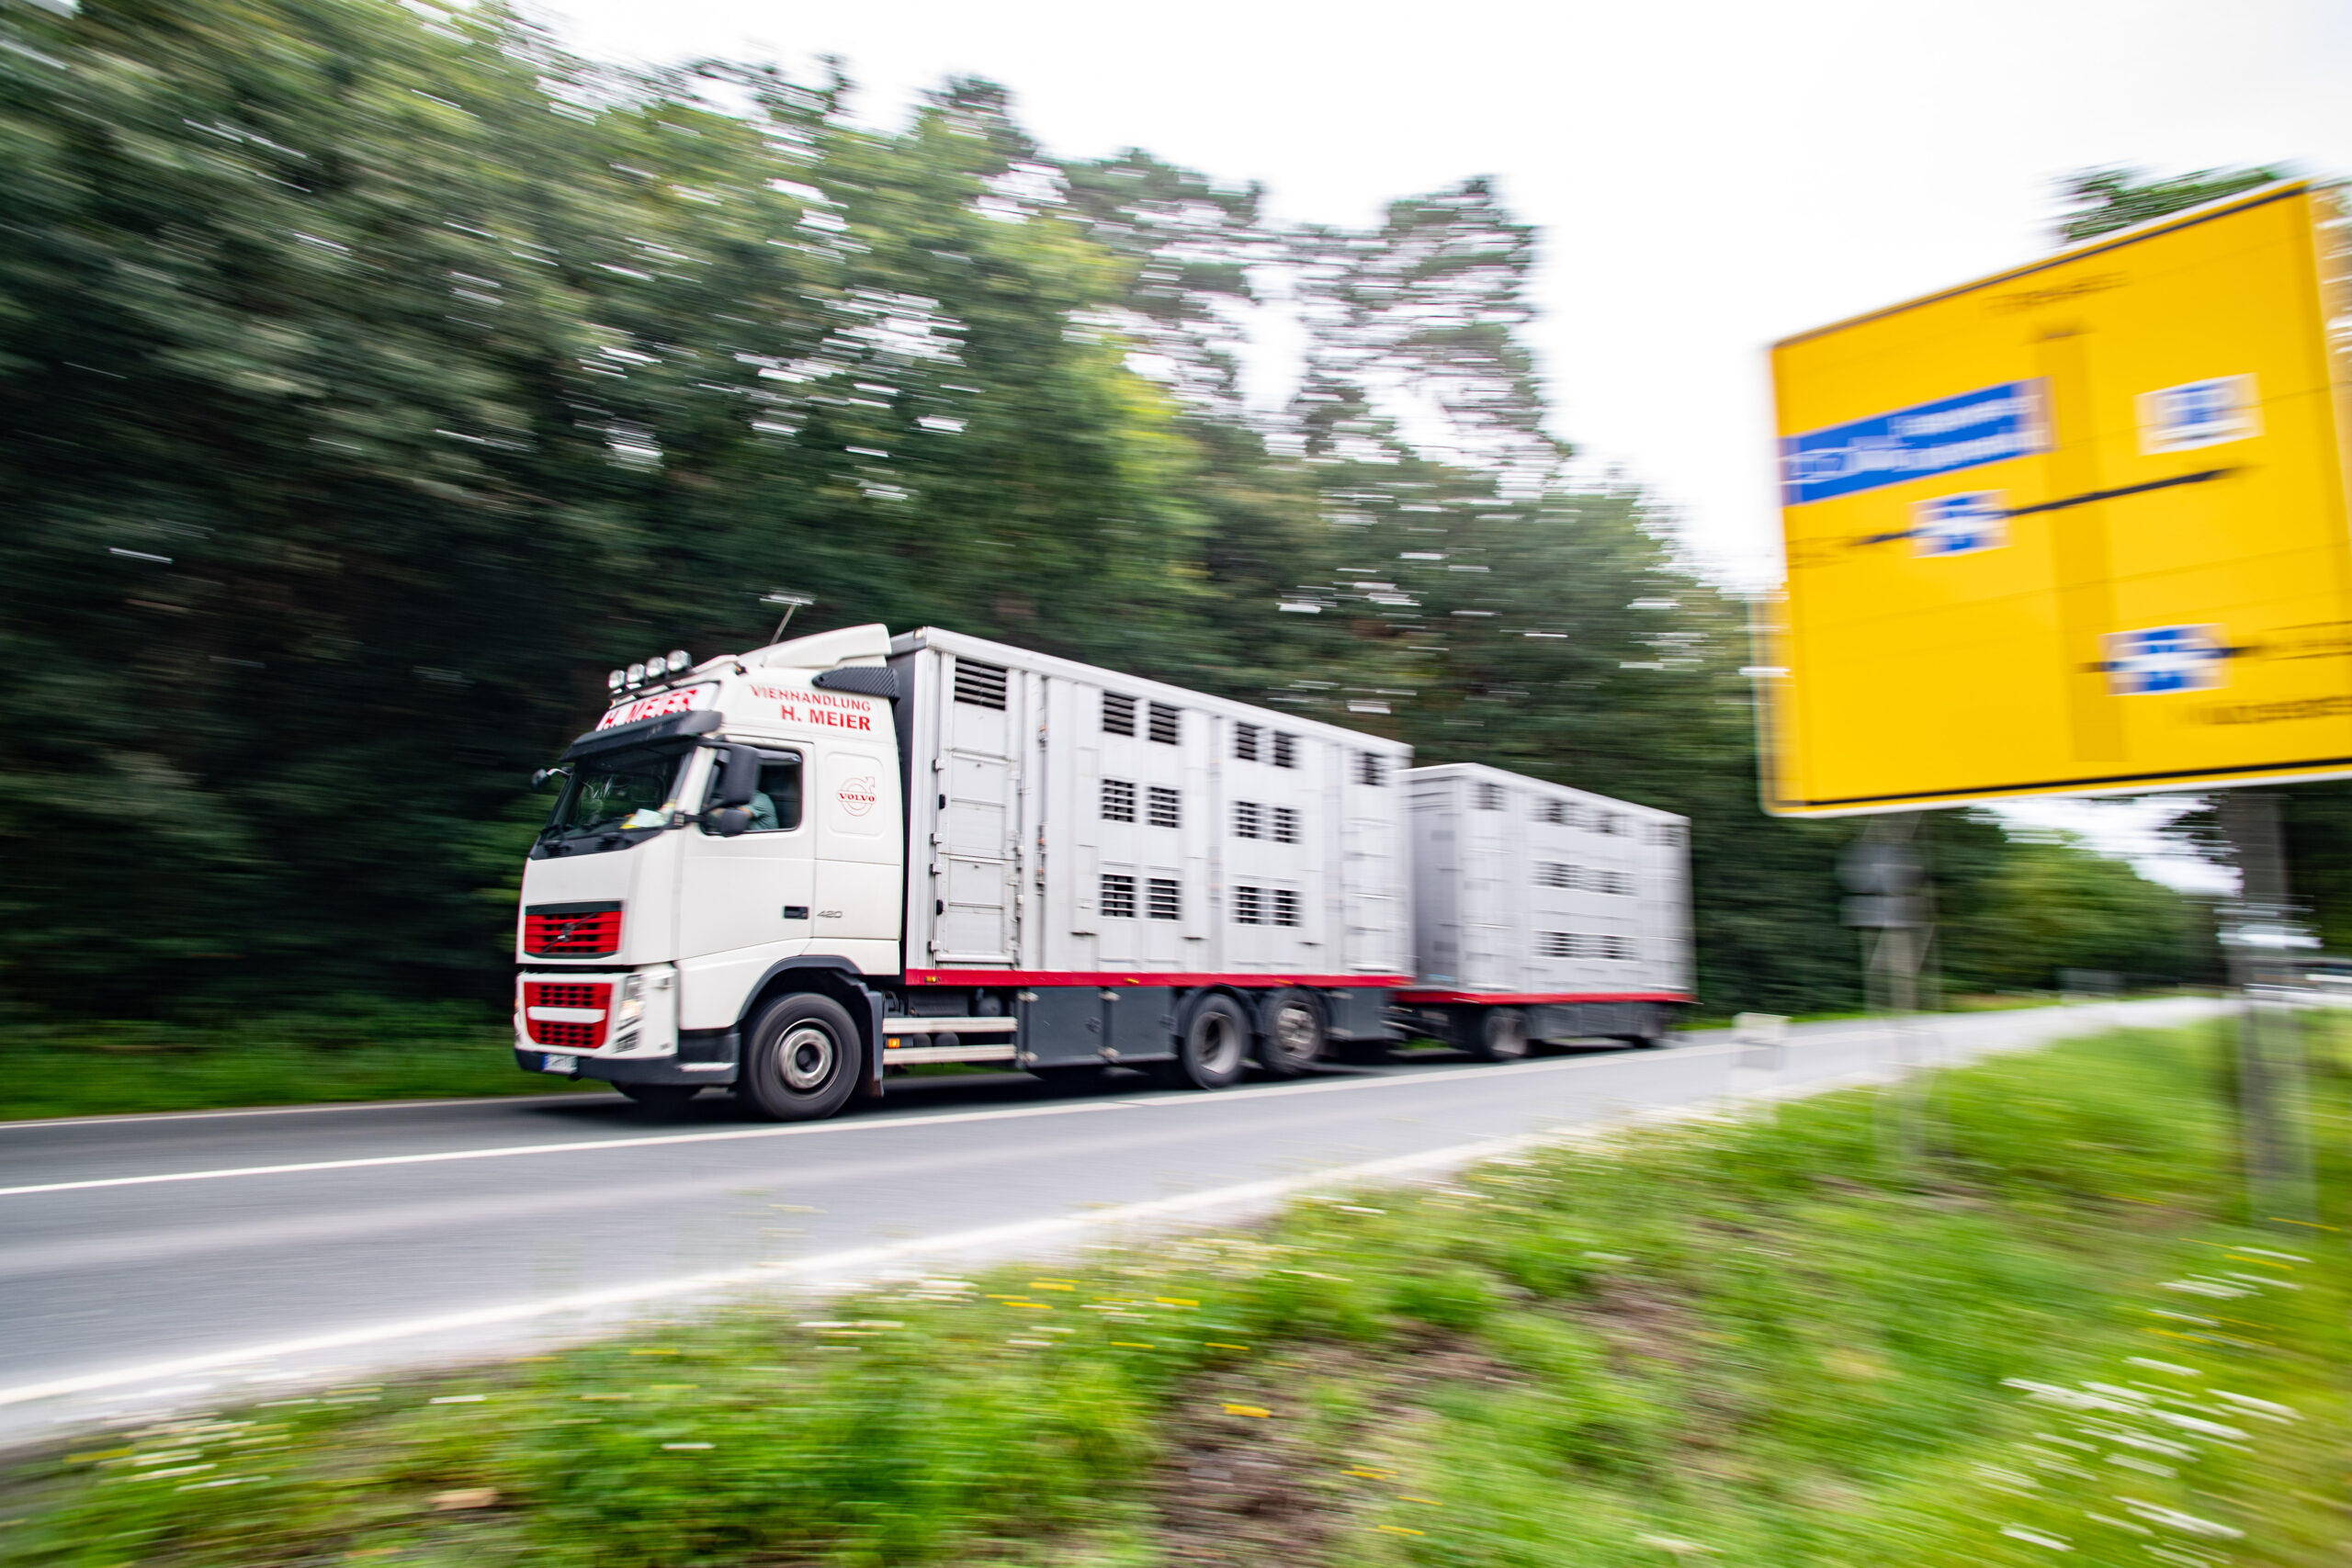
(1142,977)
(1530,998)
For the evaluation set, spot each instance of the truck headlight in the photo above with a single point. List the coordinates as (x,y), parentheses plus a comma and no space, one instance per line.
(632,1000)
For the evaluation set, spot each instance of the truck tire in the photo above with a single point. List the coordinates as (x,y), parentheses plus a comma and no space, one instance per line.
(801,1059)
(1213,1049)
(1291,1035)
(661,1096)
(1496,1035)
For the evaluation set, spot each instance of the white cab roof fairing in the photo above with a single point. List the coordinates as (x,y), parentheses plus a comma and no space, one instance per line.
(869,644)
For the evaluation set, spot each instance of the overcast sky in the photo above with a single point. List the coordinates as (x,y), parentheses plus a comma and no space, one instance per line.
(1706,177)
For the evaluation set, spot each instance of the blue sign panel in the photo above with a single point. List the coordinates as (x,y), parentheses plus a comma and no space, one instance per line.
(1989,425)
(2199,413)
(2165,659)
(1960,525)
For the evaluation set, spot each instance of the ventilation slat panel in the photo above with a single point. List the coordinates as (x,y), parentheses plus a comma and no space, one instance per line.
(979,685)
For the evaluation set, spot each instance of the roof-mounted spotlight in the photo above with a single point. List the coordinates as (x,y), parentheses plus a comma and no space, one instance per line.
(678,661)
(613,682)
(637,674)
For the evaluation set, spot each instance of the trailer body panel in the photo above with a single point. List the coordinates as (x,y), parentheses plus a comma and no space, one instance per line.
(1533,894)
(1071,825)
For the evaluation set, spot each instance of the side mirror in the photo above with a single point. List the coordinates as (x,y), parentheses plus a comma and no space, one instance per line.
(539,779)
(728,821)
(739,778)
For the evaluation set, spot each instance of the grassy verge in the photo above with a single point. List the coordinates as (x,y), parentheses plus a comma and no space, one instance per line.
(2048,1336)
(367,1051)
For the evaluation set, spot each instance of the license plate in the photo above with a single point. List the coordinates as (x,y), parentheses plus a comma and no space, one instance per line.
(551,1063)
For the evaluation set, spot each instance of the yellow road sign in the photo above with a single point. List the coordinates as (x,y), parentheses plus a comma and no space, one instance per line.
(2079,529)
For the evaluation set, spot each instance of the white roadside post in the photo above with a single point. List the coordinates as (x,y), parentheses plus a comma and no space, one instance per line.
(1760,1053)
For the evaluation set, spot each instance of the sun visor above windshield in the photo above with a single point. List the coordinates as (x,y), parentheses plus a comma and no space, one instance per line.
(668,727)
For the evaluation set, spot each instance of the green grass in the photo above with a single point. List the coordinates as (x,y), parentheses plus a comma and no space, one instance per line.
(1777,1341)
(364,1051)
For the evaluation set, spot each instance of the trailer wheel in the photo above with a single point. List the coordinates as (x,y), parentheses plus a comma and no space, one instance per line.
(1290,1033)
(1213,1049)
(1497,1034)
(661,1096)
(800,1059)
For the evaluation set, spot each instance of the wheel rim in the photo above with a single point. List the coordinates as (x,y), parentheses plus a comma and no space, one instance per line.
(1294,1032)
(1507,1035)
(1219,1047)
(806,1057)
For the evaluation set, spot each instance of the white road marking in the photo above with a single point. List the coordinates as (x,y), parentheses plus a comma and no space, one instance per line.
(851,1261)
(41,1123)
(854,1125)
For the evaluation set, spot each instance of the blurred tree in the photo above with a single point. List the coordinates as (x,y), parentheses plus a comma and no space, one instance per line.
(2055,904)
(2101,200)
(1189,248)
(296,537)
(378,375)
(1421,320)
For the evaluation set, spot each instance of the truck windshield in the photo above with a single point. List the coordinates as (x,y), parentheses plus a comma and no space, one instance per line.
(619,790)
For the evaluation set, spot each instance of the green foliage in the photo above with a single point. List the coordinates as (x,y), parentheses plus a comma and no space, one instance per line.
(2053,904)
(1780,1340)
(2101,201)
(2316,824)
(349,1048)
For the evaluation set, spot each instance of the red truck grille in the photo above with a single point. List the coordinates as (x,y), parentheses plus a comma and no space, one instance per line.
(572,931)
(567,1033)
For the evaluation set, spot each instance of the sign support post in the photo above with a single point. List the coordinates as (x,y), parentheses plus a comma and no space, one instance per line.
(1885,875)
(2259,933)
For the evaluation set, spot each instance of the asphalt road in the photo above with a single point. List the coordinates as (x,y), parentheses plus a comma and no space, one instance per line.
(156,1262)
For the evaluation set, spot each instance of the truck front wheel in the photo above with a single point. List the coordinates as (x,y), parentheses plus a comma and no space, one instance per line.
(800,1059)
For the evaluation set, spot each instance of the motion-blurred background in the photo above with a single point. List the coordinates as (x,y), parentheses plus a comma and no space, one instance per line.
(376,375)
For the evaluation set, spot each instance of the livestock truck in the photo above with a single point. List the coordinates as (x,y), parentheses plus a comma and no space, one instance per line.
(788,871)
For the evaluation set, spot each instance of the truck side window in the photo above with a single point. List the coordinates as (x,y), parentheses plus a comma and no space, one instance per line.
(776,808)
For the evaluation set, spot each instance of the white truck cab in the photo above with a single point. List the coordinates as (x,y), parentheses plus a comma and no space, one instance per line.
(722,825)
